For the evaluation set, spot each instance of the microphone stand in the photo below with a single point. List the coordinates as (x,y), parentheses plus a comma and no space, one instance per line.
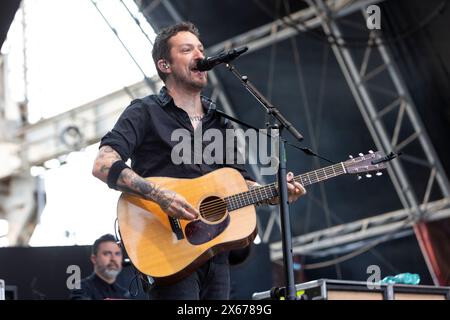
(283,123)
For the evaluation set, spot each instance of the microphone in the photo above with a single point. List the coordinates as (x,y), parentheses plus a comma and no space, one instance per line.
(223,57)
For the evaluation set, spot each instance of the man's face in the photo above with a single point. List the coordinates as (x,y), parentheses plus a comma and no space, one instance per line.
(108,260)
(185,50)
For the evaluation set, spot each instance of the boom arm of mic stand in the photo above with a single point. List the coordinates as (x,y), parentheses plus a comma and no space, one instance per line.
(271,109)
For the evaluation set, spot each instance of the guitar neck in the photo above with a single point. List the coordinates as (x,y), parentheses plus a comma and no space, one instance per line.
(259,194)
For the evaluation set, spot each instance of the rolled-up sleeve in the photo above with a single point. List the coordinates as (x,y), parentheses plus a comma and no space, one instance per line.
(129,130)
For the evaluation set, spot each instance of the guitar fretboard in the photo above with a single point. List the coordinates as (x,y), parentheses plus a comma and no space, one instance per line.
(269,191)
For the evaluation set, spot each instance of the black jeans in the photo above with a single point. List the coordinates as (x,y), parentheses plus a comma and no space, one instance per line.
(210,282)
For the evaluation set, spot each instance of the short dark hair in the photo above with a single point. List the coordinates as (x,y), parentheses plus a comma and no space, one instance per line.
(104,238)
(161,48)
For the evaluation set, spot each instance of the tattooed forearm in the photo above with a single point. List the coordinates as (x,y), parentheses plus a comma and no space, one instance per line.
(166,199)
(105,158)
(127,189)
(105,168)
(130,182)
(108,149)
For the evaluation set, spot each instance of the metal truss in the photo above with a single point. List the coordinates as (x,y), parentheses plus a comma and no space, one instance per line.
(77,128)
(33,145)
(279,30)
(336,237)
(360,81)
(20,193)
(324,14)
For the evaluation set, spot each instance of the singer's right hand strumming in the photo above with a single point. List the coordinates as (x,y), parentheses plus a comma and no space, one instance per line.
(175,205)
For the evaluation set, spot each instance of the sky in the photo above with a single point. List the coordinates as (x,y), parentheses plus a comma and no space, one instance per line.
(73,57)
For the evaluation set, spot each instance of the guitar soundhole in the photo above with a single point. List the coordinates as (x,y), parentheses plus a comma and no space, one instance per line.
(213,209)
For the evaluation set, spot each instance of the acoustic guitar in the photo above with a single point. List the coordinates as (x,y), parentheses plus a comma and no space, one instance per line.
(168,249)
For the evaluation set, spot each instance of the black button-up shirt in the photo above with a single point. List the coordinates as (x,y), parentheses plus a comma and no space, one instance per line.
(95,288)
(143,133)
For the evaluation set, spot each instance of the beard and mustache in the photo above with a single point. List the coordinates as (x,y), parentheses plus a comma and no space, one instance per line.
(110,271)
(184,78)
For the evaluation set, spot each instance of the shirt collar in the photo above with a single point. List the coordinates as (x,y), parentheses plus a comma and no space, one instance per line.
(164,99)
(100,280)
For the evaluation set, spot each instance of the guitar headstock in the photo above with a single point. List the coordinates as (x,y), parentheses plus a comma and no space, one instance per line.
(373,161)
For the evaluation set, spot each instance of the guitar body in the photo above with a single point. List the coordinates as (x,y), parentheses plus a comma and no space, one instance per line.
(158,249)
(169,249)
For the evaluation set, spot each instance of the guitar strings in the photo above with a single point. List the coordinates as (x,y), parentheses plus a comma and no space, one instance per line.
(213,211)
(258,191)
(211,206)
(210,209)
(319,175)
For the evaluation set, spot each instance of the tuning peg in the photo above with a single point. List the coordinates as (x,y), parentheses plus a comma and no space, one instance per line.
(379,173)
(358,177)
(370,151)
(368,175)
(360,154)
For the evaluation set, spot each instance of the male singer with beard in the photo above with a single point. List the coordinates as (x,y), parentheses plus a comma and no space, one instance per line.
(101,284)
(143,133)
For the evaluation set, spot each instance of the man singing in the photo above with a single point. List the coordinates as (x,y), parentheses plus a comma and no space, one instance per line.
(143,133)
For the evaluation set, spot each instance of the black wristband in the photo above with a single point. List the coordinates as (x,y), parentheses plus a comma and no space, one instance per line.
(114,173)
